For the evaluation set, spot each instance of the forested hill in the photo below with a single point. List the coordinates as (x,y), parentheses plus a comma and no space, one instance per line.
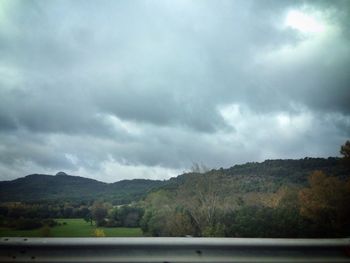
(275,198)
(267,176)
(294,170)
(42,187)
(270,175)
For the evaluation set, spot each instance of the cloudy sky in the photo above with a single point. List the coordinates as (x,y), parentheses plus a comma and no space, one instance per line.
(117,90)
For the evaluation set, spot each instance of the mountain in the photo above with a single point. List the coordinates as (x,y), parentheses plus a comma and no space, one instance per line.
(126,191)
(269,199)
(43,187)
(267,176)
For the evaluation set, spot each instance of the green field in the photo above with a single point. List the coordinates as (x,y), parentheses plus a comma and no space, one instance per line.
(72,228)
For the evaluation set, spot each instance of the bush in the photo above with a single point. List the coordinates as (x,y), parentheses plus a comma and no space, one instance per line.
(99,233)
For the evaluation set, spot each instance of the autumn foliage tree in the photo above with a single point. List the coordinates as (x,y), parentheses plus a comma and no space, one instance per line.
(326,203)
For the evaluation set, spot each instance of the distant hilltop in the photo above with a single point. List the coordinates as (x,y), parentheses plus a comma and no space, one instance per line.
(61,174)
(44,187)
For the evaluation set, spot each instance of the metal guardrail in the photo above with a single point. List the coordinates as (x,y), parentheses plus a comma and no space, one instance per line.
(168,250)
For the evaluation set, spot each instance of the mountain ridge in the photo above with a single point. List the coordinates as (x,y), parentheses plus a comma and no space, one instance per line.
(265,176)
(45,187)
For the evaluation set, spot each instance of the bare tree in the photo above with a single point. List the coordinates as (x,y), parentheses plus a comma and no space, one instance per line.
(199,196)
(199,168)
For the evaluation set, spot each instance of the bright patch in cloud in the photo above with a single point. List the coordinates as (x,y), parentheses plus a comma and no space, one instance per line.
(304,22)
(186,81)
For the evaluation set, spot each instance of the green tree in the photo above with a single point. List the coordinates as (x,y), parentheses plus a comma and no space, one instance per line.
(127,216)
(99,213)
(88,218)
(159,207)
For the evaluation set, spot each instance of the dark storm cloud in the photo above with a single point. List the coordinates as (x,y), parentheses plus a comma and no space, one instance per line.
(44,111)
(6,123)
(148,87)
(32,149)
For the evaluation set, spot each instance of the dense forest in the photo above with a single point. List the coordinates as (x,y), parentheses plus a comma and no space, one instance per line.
(63,187)
(275,198)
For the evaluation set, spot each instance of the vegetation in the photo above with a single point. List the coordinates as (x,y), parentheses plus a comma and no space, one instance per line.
(71,228)
(99,213)
(47,188)
(99,233)
(275,198)
(256,200)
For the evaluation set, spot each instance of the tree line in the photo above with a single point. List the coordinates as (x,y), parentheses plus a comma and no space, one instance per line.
(23,216)
(235,202)
(209,205)
(318,210)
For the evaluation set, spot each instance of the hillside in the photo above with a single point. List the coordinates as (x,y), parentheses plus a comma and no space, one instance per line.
(267,177)
(42,187)
(275,198)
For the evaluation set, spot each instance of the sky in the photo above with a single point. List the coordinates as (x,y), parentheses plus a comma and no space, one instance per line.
(116,90)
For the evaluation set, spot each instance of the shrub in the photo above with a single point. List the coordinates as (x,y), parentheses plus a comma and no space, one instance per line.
(99,233)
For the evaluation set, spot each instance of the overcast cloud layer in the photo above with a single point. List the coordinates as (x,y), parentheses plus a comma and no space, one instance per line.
(117,90)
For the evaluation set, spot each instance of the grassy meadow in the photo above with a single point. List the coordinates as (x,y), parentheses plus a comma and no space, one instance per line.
(72,228)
